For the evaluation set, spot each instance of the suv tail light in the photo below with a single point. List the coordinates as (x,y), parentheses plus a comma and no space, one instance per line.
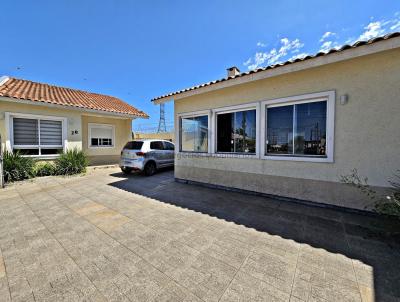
(139,153)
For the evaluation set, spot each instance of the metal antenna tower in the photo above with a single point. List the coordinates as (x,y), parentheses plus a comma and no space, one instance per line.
(161,124)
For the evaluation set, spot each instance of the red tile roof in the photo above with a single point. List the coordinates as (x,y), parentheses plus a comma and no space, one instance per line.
(44,93)
(319,54)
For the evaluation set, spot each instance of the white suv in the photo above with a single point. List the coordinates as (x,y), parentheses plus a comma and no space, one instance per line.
(147,155)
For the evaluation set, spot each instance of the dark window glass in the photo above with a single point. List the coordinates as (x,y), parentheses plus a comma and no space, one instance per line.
(95,142)
(280,130)
(105,141)
(194,134)
(101,142)
(236,132)
(297,129)
(169,146)
(135,145)
(27,151)
(50,151)
(157,145)
(310,129)
(225,141)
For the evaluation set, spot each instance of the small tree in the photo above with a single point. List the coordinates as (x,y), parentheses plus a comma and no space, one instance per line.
(384,204)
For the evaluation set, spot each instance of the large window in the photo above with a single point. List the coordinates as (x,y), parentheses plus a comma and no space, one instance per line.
(101,135)
(194,133)
(294,128)
(297,129)
(37,136)
(236,132)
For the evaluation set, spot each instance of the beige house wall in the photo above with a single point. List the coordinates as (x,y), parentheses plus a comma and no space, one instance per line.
(367,132)
(106,155)
(73,120)
(76,120)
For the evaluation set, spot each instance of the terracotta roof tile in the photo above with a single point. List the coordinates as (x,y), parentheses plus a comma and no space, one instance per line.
(319,54)
(44,93)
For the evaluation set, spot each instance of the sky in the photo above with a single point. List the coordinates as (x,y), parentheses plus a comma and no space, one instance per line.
(137,50)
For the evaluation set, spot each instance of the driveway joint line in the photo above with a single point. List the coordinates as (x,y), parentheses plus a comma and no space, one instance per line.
(6,275)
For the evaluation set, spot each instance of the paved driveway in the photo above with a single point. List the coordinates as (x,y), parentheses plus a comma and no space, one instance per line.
(107,237)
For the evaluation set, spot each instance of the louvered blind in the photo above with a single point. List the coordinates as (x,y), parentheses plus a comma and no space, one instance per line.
(25,131)
(50,133)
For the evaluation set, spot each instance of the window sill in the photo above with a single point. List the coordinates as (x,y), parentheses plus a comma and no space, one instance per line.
(298,158)
(187,154)
(101,147)
(50,156)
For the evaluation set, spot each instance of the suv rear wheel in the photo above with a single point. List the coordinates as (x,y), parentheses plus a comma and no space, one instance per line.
(126,170)
(150,169)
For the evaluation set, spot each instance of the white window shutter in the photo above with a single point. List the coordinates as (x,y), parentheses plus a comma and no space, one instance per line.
(102,132)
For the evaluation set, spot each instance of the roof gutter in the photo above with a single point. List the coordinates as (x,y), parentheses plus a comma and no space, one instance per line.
(312,62)
(65,107)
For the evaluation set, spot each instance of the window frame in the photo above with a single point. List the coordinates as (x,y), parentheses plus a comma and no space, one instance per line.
(97,125)
(179,132)
(9,118)
(329,97)
(231,109)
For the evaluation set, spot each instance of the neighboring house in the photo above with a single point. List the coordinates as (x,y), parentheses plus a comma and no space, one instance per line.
(293,129)
(40,120)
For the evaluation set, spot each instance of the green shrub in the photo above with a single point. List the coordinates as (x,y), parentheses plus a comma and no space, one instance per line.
(17,167)
(73,161)
(44,169)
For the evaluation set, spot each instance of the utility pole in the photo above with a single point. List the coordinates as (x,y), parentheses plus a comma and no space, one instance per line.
(161,124)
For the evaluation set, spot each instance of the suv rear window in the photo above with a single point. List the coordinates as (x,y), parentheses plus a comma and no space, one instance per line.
(157,145)
(133,145)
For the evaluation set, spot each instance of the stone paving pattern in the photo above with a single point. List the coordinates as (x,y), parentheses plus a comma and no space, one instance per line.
(108,237)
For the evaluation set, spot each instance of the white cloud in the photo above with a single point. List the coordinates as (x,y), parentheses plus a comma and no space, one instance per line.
(327,35)
(328,45)
(396,26)
(275,55)
(298,56)
(247,62)
(372,30)
(293,49)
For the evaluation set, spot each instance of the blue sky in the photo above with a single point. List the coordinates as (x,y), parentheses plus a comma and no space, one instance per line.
(138,50)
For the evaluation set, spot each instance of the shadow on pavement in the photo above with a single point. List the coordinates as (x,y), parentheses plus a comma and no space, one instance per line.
(372,239)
